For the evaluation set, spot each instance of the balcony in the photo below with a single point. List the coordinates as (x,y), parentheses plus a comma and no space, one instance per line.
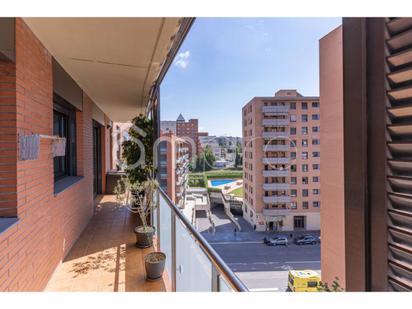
(275,109)
(276,173)
(275,135)
(275,122)
(105,258)
(276,199)
(276,160)
(276,186)
(275,212)
(276,147)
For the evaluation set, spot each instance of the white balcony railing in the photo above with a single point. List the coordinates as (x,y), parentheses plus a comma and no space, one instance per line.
(276,186)
(275,212)
(276,160)
(275,122)
(191,262)
(275,135)
(276,173)
(276,199)
(275,109)
(276,147)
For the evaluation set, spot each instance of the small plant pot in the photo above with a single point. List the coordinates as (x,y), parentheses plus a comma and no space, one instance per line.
(144,236)
(154,263)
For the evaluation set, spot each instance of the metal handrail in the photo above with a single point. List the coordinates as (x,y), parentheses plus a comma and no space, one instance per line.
(213,256)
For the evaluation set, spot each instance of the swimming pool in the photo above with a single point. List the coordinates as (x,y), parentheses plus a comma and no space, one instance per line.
(219,182)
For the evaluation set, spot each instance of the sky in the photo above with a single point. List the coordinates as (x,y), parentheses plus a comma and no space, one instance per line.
(225,62)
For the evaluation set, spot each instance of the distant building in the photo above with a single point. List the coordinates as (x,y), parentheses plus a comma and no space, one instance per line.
(188,129)
(168,127)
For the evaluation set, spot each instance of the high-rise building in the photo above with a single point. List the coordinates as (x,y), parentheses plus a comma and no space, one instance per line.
(366,95)
(281,161)
(189,129)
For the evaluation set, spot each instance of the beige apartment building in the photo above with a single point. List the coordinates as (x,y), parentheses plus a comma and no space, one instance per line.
(281,162)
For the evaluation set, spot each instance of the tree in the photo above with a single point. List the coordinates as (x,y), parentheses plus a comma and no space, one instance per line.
(205,160)
(238,156)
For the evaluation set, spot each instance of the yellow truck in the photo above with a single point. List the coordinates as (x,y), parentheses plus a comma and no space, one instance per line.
(303,281)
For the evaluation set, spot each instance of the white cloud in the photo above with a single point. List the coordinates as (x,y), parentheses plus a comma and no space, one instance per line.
(182,59)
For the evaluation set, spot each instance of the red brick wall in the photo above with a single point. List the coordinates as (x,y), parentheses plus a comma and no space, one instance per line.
(48,225)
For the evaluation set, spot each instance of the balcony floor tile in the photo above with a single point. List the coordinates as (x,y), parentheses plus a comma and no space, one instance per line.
(104,258)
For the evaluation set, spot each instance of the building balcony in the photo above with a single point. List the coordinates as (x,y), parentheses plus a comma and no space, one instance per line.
(275,122)
(272,212)
(276,160)
(275,109)
(276,199)
(276,186)
(275,135)
(276,173)
(276,147)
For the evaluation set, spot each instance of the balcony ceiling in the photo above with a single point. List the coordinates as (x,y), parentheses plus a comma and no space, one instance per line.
(114,60)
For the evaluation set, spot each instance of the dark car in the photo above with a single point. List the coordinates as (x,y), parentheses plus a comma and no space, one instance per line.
(306,240)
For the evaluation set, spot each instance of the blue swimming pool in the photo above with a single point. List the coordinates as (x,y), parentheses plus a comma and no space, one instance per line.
(219,182)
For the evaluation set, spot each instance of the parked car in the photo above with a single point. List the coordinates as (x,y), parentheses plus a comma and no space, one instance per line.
(280,241)
(266,240)
(319,239)
(305,240)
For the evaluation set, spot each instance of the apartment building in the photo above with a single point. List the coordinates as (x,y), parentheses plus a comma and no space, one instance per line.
(366,95)
(174,167)
(189,129)
(281,162)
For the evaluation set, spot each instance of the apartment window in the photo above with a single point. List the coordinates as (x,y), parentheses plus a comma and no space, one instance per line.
(305,168)
(292,105)
(305,143)
(293,205)
(305,155)
(315,166)
(293,192)
(64,125)
(315,191)
(316,204)
(293,180)
(293,167)
(316,154)
(304,130)
(293,118)
(305,180)
(315,104)
(304,118)
(305,205)
(293,155)
(316,141)
(293,143)
(298,222)
(315,117)
(315,178)
(292,131)
(304,105)
(316,129)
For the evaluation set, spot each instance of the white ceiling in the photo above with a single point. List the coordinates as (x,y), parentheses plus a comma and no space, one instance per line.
(114,60)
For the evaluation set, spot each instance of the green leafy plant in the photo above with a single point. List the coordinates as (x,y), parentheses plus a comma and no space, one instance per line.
(335,287)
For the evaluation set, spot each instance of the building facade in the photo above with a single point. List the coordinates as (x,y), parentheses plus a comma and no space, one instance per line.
(281,162)
(189,129)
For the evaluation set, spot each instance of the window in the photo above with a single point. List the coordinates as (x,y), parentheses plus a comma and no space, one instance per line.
(305,155)
(315,166)
(293,118)
(293,167)
(315,191)
(64,125)
(305,192)
(315,104)
(316,204)
(315,117)
(304,118)
(292,105)
(304,130)
(305,168)
(304,105)
(316,141)
(316,154)
(293,192)
(293,155)
(293,143)
(305,205)
(315,178)
(316,129)
(293,205)
(292,131)
(305,180)
(298,222)
(305,143)
(293,180)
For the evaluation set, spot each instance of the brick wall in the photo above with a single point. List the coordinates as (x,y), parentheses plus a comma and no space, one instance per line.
(48,225)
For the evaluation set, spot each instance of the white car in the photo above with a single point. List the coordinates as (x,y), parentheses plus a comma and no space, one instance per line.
(279,241)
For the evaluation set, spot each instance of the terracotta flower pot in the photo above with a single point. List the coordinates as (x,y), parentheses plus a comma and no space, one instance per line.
(155,265)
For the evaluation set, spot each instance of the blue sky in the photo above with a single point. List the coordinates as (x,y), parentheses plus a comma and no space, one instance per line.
(225,62)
